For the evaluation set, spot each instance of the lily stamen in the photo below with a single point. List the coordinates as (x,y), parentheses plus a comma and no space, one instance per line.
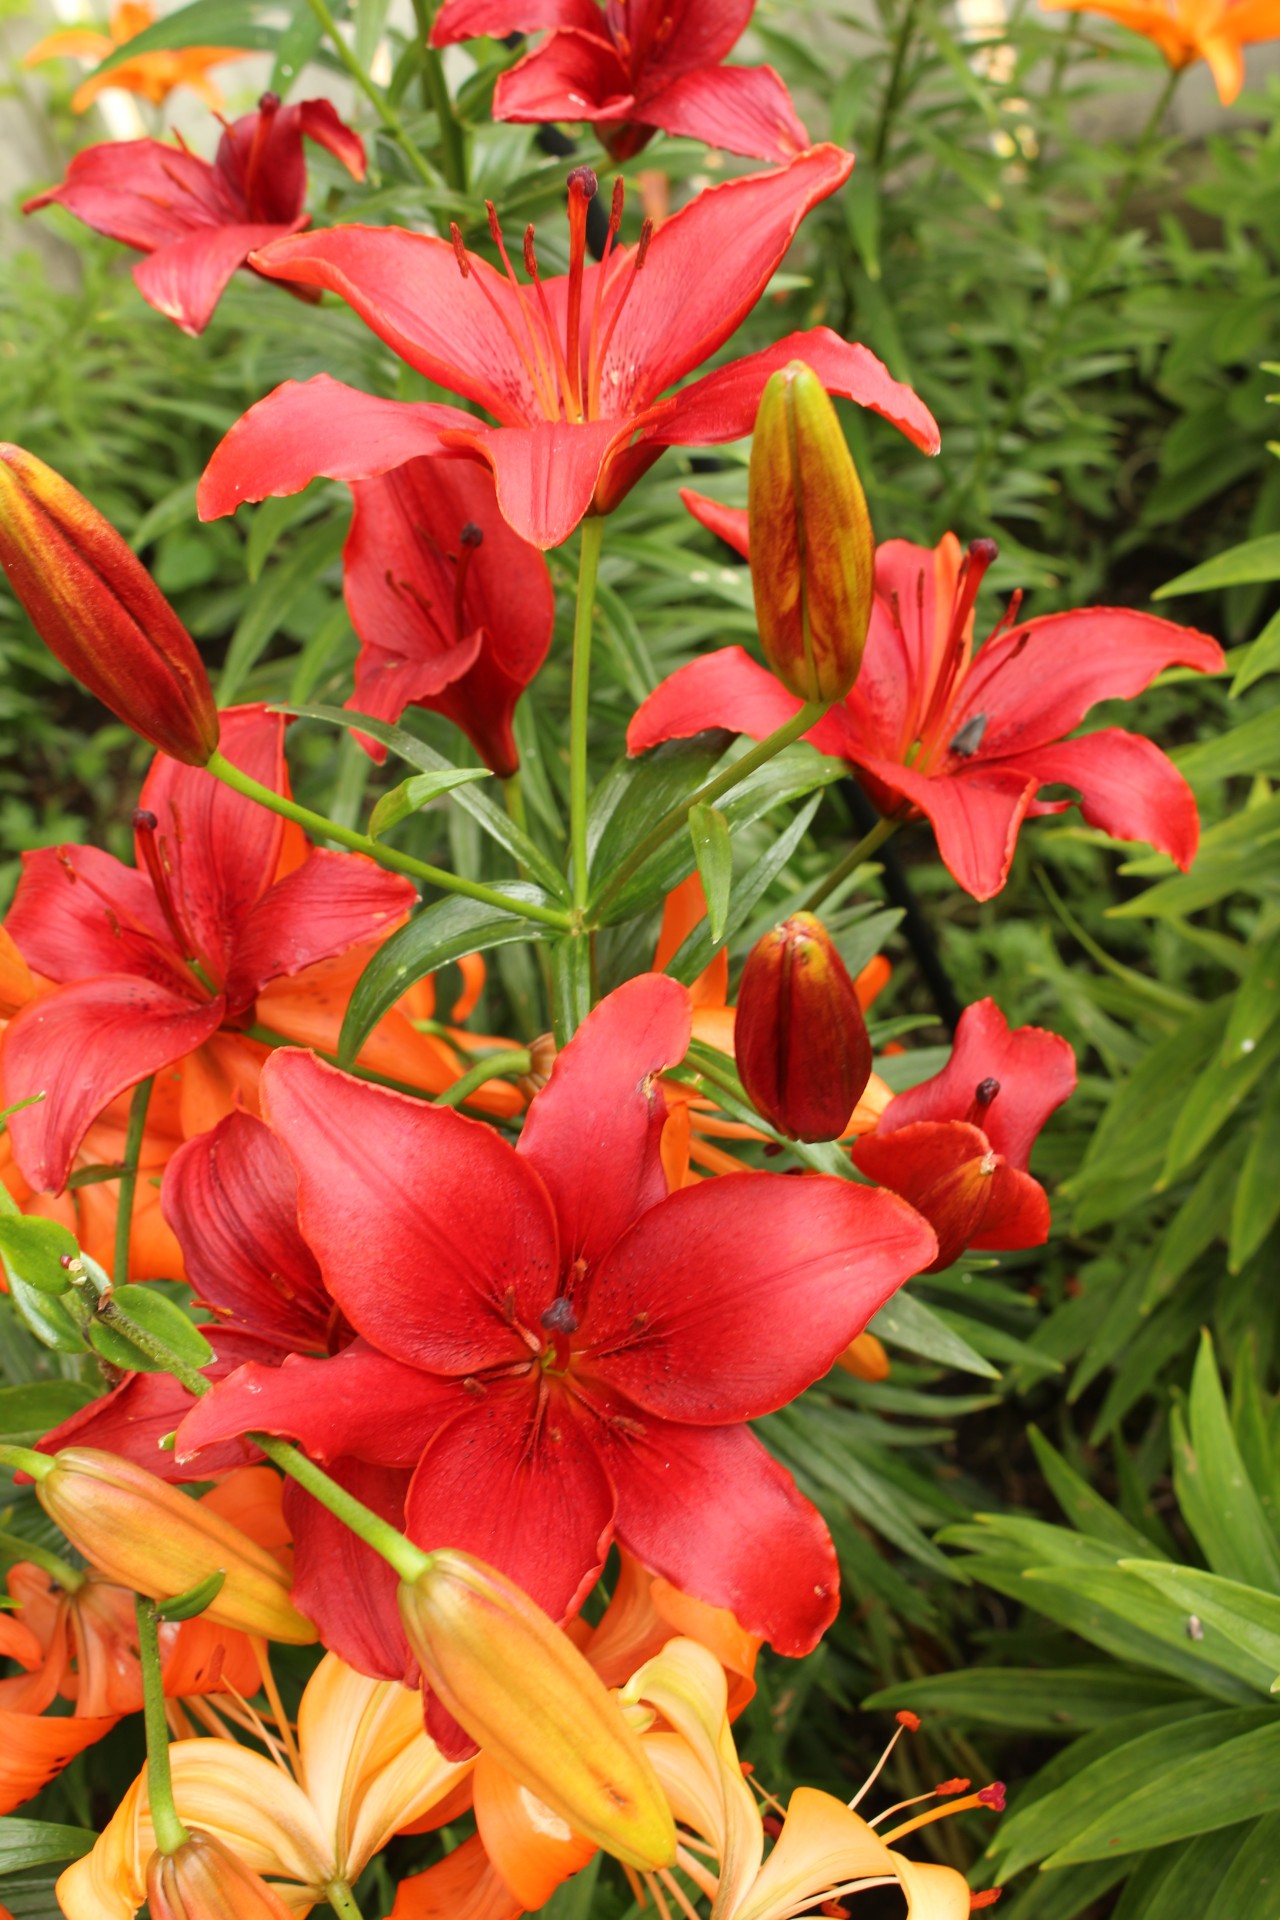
(538,377)
(151,845)
(908,1722)
(469,539)
(568,404)
(992,1796)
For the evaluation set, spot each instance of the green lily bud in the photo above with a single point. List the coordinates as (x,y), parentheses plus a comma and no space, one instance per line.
(520,1688)
(812,549)
(96,607)
(799,1036)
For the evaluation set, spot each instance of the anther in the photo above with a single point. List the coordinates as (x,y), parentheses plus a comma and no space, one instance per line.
(911,1721)
(560,1317)
(969,738)
(269,102)
(985,1092)
(986,1899)
(584,181)
(459,250)
(144,821)
(472,535)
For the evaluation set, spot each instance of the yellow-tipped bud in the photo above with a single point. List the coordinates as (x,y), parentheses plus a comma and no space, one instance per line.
(204,1880)
(524,1693)
(812,549)
(147,1535)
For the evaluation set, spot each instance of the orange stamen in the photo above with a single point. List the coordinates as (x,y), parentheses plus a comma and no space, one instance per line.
(638,260)
(546,398)
(572,407)
(992,1796)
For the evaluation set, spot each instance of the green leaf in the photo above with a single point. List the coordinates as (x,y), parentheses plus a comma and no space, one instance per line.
(904,1321)
(1251,560)
(1250,1888)
(1249,1617)
(1055,1700)
(440,933)
(713,852)
(35,1250)
(1213,1099)
(1239,1780)
(415,793)
(275,597)
(35,1843)
(1262,658)
(205,23)
(1085,1509)
(155,1313)
(1255,1205)
(493,819)
(1256,1003)
(185,1606)
(28,1412)
(1253,747)
(46,1319)
(698,947)
(1214,1492)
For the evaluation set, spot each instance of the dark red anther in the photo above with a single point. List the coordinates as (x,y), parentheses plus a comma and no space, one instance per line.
(985,1092)
(269,102)
(987,1899)
(459,250)
(144,821)
(993,1796)
(582,180)
(530,257)
(771,1824)
(946,1788)
(983,552)
(642,246)
(472,535)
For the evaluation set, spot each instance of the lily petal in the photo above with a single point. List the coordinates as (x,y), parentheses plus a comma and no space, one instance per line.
(186,278)
(350,1588)
(744,110)
(1127,787)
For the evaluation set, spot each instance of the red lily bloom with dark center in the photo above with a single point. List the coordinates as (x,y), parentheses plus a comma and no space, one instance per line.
(572,368)
(162,962)
(958,1145)
(563,1351)
(199,222)
(967,740)
(634,67)
(454,611)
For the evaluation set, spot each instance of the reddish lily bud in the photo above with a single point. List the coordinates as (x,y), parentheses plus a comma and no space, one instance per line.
(204,1880)
(800,1039)
(812,550)
(142,1533)
(524,1693)
(97,608)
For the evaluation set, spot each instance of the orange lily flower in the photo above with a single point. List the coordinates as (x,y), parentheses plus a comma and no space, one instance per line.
(824,1852)
(1188,30)
(153,75)
(360,1769)
(79,1644)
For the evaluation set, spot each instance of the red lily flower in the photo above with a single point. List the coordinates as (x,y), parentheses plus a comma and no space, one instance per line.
(561,1350)
(967,740)
(572,368)
(199,222)
(454,611)
(162,962)
(633,68)
(957,1146)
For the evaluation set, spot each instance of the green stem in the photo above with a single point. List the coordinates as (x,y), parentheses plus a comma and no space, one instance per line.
(579,702)
(320,825)
(861,851)
(169,1830)
(808,716)
(342,1900)
(401,1554)
(129,1178)
(69,1578)
(146,1343)
(374,95)
(893,92)
(453,146)
(26,1460)
(492,1068)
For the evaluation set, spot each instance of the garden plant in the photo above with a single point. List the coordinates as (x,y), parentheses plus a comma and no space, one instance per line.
(640,962)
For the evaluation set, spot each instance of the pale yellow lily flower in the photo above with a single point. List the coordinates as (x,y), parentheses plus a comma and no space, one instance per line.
(363,1769)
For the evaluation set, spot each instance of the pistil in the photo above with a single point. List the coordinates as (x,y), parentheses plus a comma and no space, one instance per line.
(469,539)
(560,1321)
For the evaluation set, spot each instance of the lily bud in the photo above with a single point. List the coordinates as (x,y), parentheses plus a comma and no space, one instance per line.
(799,1037)
(147,1535)
(204,1880)
(812,550)
(96,607)
(524,1693)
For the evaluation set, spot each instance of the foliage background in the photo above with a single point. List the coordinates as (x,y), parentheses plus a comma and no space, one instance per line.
(1089,319)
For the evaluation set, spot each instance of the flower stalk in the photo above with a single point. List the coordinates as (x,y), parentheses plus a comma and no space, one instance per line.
(169,1830)
(129,1177)
(579,702)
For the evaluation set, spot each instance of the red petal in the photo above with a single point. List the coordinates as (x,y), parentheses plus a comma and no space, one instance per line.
(515,1480)
(1038,681)
(732,524)
(743,110)
(436,1239)
(469,19)
(332,902)
(706,268)
(78,911)
(727,688)
(343,1585)
(546,474)
(311,427)
(80,1047)
(971,1196)
(575,75)
(1036,1071)
(594,1131)
(1127,787)
(722,405)
(711,1511)
(400,561)
(319,120)
(132,1421)
(232,1199)
(975,815)
(185,279)
(409,288)
(221,849)
(34,1748)
(672,40)
(357,1402)
(141,192)
(733,1296)
(907,645)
